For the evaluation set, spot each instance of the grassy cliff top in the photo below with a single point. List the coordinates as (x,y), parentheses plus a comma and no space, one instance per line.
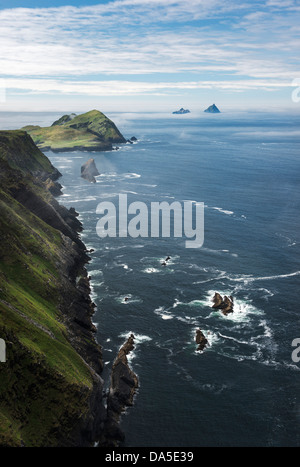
(89,131)
(20,152)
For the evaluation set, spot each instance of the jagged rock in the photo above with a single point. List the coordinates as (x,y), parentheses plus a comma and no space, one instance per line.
(201,340)
(89,171)
(225,304)
(124,383)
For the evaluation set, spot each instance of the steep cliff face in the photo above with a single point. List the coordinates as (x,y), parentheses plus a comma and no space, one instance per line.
(50,388)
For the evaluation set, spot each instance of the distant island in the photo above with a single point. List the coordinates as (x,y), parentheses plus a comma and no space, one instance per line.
(212,109)
(91,131)
(181,111)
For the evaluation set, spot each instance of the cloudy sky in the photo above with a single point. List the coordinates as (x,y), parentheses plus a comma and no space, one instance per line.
(131,55)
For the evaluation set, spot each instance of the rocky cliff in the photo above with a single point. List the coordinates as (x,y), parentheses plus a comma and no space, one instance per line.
(50,385)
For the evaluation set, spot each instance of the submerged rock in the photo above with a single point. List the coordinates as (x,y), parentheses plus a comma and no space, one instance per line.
(225,304)
(89,171)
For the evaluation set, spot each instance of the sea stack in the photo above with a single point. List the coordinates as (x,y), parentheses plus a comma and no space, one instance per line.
(212,109)
(89,171)
(225,304)
(124,383)
(201,340)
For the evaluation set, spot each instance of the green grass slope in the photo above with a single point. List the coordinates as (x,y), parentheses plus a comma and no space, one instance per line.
(89,131)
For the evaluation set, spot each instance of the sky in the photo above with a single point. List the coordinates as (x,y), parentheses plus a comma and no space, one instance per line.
(149,55)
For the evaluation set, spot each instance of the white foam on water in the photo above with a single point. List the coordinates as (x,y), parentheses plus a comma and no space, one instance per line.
(187,319)
(163,313)
(95,273)
(130,192)
(151,270)
(249,278)
(79,200)
(124,266)
(131,175)
(224,211)
(266,293)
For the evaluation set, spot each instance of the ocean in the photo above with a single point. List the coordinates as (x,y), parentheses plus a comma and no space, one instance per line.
(244,388)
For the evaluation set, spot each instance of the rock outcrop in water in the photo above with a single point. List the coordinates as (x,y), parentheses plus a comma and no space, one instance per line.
(89,171)
(181,111)
(224,304)
(201,340)
(124,383)
(212,109)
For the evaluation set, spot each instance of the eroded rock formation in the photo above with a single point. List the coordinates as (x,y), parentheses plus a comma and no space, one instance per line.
(124,383)
(225,304)
(201,340)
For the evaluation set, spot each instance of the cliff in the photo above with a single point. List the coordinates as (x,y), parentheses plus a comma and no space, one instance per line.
(91,131)
(50,384)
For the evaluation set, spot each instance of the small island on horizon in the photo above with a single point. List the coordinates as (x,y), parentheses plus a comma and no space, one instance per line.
(212,109)
(181,111)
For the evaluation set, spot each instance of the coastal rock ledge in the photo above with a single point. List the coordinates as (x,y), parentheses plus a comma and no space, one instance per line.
(124,383)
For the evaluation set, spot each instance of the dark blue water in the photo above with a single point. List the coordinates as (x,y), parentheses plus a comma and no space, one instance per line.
(243,390)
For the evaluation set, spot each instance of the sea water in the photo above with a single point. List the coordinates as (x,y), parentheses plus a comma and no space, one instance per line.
(243,389)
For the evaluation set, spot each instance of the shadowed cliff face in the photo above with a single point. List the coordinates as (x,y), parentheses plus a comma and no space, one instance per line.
(50,388)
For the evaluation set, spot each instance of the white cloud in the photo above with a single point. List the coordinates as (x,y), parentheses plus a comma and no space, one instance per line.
(73,50)
(129,88)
